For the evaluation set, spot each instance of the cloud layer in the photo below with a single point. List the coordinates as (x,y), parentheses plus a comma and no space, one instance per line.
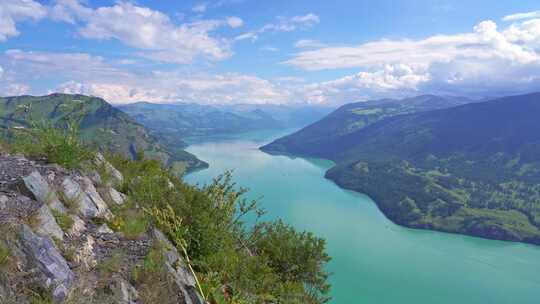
(484,62)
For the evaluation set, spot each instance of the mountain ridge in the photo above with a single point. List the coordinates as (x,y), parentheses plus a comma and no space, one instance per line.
(472,169)
(101,125)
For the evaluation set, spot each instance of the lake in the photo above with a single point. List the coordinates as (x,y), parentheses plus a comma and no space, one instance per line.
(374,260)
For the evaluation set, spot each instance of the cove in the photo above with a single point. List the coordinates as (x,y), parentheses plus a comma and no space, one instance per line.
(374,260)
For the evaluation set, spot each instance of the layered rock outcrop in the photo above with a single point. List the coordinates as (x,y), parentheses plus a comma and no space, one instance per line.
(56,244)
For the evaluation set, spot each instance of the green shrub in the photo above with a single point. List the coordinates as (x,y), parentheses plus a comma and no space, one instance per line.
(60,146)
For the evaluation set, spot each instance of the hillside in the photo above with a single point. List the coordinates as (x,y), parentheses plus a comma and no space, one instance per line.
(182,120)
(316,138)
(101,125)
(77,227)
(471,169)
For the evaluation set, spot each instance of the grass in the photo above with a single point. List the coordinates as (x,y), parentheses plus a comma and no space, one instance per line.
(112,264)
(5,254)
(64,220)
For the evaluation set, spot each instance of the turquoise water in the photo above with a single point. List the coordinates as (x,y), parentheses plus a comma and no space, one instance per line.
(374,260)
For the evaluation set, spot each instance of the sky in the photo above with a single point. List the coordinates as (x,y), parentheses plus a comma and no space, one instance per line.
(273,51)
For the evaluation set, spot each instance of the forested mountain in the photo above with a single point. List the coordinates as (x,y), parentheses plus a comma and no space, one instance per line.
(101,125)
(183,119)
(318,136)
(471,169)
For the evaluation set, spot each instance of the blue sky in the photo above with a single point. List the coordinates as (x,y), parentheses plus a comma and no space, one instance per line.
(252,51)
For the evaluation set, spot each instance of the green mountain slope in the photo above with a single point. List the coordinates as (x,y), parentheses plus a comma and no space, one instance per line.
(189,120)
(101,125)
(472,169)
(316,138)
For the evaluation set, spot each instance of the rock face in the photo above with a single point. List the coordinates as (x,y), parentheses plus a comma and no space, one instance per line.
(53,268)
(47,225)
(41,190)
(178,270)
(115,175)
(73,192)
(88,262)
(124,292)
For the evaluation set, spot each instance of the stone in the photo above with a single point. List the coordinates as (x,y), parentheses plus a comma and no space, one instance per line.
(47,225)
(84,255)
(3,201)
(90,190)
(115,196)
(124,292)
(178,270)
(115,174)
(40,189)
(78,227)
(52,267)
(104,229)
(73,191)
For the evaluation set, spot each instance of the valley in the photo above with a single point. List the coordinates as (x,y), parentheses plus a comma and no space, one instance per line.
(374,260)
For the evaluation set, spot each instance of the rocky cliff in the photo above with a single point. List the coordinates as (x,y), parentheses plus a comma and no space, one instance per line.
(55,245)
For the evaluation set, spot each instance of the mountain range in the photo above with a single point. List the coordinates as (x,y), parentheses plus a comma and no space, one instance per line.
(101,125)
(194,120)
(439,163)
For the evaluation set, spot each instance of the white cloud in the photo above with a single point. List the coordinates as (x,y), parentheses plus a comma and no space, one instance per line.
(235,22)
(12,11)
(392,80)
(94,75)
(521,16)
(1,72)
(309,43)
(284,24)
(200,8)
(247,36)
(149,30)
(484,62)
(15,89)
(484,43)
(269,49)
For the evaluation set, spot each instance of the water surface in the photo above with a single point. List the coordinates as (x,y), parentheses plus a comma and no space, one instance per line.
(374,260)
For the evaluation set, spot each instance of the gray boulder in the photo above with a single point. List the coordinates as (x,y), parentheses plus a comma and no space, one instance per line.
(40,189)
(90,190)
(124,292)
(178,270)
(116,176)
(47,225)
(52,267)
(73,191)
(114,196)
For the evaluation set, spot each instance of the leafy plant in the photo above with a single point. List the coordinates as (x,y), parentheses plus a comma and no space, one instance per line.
(59,145)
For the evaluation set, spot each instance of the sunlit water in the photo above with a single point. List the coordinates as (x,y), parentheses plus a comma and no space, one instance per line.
(374,260)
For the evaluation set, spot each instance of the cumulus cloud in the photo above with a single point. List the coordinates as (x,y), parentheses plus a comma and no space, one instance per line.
(149,30)
(486,61)
(1,72)
(94,75)
(392,80)
(165,87)
(12,11)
